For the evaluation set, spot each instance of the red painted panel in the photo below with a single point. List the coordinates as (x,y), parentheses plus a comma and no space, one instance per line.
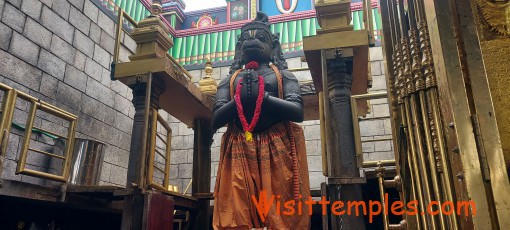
(160,214)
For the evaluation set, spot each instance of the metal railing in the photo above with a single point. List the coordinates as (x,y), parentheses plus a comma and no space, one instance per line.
(153,150)
(396,183)
(7,112)
(36,104)
(121,15)
(179,66)
(372,164)
(355,122)
(369,20)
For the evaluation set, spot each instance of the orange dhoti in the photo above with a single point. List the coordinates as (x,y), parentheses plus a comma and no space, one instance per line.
(265,165)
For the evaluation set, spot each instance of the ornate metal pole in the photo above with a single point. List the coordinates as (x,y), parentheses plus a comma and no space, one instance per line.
(427,65)
(400,154)
(380,179)
(414,86)
(419,83)
(403,65)
(399,91)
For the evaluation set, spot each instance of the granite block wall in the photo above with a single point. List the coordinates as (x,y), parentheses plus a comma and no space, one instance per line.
(376,125)
(60,52)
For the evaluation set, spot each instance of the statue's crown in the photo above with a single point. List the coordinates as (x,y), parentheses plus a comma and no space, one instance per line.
(261,22)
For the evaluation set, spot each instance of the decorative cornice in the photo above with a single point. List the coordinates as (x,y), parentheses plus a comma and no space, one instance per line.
(174,9)
(238,24)
(169,26)
(210,11)
(273,19)
(359,5)
(215,28)
(292,17)
(179,2)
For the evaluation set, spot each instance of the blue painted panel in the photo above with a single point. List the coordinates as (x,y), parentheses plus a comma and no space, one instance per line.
(221,15)
(269,6)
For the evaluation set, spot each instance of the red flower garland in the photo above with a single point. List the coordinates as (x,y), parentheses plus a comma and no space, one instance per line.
(258,106)
(249,128)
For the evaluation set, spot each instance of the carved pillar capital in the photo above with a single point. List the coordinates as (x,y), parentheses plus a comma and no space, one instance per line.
(139,94)
(340,79)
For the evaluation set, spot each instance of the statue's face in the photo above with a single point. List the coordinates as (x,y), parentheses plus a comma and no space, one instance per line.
(256,46)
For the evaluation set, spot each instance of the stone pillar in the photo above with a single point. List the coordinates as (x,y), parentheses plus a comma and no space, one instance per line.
(138,154)
(344,176)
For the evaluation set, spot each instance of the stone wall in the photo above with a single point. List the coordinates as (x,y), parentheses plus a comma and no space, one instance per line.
(376,125)
(60,52)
